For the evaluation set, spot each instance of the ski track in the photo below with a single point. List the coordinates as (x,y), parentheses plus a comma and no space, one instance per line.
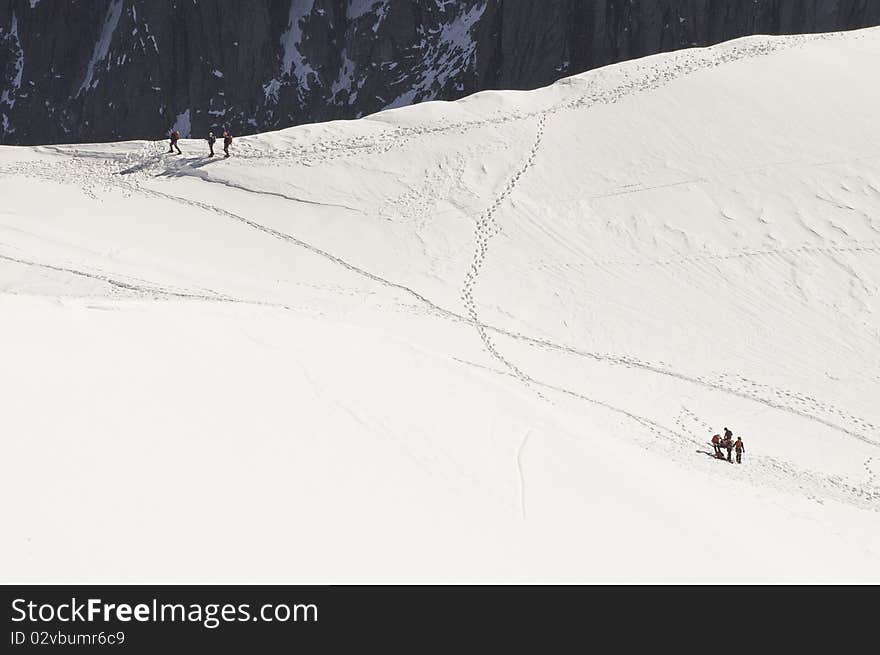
(863,247)
(148,289)
(143,288)
(733,385)
(760,471)
(241,187)
(100,171)
(771,397)
(521,472)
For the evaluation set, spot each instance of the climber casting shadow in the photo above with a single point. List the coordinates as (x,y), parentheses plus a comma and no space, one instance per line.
(141,166)
(199,163)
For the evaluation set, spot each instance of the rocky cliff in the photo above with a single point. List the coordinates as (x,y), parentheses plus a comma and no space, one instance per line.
(95,70)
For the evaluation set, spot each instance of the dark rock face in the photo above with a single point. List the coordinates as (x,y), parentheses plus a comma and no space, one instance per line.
(98,70)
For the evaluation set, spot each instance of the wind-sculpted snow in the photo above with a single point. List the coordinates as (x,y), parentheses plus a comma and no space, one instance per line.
(495,335)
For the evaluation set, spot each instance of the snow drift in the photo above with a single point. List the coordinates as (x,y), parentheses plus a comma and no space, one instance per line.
(461,342)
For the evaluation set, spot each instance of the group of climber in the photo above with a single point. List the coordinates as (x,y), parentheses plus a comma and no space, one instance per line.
(227,141)
(727,443)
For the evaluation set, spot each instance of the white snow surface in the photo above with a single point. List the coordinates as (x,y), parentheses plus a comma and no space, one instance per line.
(481,341)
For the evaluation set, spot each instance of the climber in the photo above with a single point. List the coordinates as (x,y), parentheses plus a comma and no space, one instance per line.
(175,136)
(227,141)
(740,449)
(211,140)
(727,444)
(716,444)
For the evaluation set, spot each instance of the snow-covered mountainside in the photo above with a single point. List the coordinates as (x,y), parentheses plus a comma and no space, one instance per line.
(486,340)
(107,70)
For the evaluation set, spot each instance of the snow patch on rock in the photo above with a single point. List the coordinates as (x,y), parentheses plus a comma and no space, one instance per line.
(360,8)
(450,53)
(270,90)
(8,96)
(183,124)
(102,47)
(293,63)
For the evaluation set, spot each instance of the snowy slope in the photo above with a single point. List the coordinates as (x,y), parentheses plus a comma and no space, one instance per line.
(476,341)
